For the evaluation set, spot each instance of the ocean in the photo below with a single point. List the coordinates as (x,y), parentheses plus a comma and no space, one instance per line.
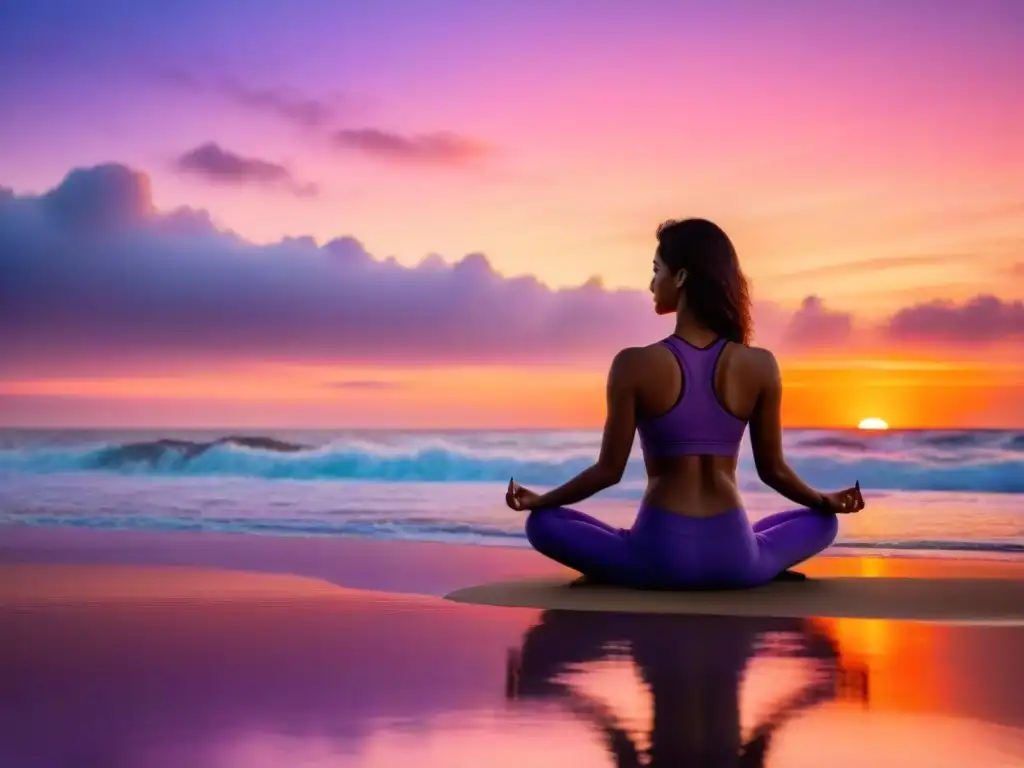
(926,490)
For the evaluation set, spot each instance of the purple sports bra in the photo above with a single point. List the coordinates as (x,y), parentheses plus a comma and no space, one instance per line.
(698,424)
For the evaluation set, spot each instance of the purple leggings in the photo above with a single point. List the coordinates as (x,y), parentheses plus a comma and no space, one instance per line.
(664,550)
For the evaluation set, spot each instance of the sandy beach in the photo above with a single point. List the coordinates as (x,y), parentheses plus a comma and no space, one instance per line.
(142,649)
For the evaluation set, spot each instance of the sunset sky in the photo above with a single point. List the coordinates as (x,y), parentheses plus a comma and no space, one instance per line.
(399,213)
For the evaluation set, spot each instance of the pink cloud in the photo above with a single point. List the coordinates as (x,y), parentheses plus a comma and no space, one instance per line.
(440,148)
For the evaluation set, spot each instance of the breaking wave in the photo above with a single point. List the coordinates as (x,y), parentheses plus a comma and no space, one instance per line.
(973,461)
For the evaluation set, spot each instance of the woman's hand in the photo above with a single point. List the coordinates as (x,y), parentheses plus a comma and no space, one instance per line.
(520,498)
(843,502)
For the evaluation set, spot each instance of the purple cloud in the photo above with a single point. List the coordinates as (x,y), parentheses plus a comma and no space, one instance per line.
(285,103)
(981,319)
(103,199)
(815,326)
(93,276)
(440,148)
(214,163)
(146,286)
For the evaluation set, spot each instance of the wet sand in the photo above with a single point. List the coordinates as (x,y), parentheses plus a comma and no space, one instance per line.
(390,566)
(110,663)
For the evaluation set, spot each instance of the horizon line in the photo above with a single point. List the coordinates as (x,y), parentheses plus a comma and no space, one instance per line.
(335,428)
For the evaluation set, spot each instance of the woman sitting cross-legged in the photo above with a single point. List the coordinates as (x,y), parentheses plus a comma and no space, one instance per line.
(690,396)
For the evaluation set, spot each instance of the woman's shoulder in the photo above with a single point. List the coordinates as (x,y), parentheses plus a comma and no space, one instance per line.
(754,359)
(633,356)
(762,353)
(639,360)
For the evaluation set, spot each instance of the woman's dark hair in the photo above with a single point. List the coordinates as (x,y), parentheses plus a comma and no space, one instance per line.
(716,289)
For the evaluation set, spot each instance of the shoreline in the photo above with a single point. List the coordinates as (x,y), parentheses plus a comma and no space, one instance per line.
(392,566)
(959,550)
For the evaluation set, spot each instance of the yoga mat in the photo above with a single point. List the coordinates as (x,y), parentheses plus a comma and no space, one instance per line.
(929,599)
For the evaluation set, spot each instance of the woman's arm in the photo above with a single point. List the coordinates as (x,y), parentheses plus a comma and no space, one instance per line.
(766,441)
(616,441)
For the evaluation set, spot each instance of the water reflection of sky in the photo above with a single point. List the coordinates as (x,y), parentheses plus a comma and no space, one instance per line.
(331,682)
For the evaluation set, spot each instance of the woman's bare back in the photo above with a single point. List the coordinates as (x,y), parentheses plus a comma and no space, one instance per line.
(698,486)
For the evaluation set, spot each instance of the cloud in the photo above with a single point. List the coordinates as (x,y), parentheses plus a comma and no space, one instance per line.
(440,148)
(287,104)
(815,326)
(126,282)
(105,198)
(981,319)
(871,265)
(214,163)
(92,272)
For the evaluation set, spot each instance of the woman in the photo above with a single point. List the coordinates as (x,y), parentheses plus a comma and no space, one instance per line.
(690,396)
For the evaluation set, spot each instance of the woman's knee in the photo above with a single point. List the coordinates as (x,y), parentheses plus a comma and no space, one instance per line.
(829,522)
(538,526)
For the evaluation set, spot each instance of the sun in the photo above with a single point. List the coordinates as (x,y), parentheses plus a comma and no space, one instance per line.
(873,422)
